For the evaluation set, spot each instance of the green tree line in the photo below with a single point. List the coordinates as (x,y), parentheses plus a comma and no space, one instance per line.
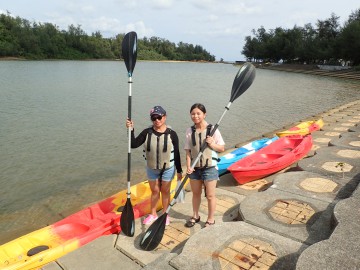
(31,40)
(328,42)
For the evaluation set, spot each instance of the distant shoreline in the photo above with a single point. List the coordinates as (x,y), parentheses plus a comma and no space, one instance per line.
(8,58)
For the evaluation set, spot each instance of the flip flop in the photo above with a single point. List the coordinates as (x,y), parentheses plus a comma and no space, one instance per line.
(191,222)
(207,224)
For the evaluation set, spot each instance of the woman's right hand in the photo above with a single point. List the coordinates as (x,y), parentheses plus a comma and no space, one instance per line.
(129,124)
(189,170)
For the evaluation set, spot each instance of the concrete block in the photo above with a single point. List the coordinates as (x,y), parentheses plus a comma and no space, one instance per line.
(99,254)
(333,161)
(341,250)
(316,186)
(303,219)
(243,245)
(347,140)
(51,266)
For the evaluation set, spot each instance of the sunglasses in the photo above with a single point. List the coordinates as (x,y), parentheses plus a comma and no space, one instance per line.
(156,117)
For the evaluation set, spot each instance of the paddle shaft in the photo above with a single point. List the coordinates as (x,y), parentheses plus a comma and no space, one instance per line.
(129,137)
(203,147)
(127,222)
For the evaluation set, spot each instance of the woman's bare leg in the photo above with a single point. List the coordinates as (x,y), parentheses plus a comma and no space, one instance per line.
(211,198)
(155,194)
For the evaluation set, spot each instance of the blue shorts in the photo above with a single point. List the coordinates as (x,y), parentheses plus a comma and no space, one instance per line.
(154,174)
(206,174)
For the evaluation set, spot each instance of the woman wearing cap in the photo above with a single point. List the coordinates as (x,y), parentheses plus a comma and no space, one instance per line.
(161,151)
(205,171)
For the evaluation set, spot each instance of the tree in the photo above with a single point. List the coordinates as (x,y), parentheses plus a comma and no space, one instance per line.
(327,33)
(249,48)
(9,44)
(308,50)
(327,43)
(22,38)
(349,39)
(354,16)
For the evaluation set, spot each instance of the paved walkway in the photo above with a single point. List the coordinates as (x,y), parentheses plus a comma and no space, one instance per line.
(304,217)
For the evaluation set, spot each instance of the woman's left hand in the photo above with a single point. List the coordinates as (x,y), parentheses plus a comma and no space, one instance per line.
(179,176)
(210,140)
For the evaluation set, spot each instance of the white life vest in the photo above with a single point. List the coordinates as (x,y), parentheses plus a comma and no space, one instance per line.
(158,157)
(209,158)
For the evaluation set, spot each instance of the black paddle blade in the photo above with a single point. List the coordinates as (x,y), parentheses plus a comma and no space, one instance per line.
(154,234)
(129,51)
(243,79)
(127,221)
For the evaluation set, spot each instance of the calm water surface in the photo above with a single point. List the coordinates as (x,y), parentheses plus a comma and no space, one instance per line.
(62,124)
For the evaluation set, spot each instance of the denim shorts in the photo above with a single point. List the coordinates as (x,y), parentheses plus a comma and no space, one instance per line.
(210,173)
(154,174)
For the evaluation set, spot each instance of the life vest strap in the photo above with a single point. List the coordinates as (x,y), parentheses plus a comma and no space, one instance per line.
(161,174)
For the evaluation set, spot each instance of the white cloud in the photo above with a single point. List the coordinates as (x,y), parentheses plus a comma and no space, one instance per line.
(242,9)
(61,21)
(131,4)
(162,4)
(300,19)
(158,4)
(212,18)
(79,7)
(220,32)
(228,7)
(140,28)
(204,4)
(88,9)
(105,25)
(110,27)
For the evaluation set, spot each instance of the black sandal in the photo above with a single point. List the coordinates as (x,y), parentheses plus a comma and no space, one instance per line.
(208,224)
(191,222)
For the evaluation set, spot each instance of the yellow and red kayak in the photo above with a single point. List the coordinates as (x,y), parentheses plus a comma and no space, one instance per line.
(303,128)
(45,245)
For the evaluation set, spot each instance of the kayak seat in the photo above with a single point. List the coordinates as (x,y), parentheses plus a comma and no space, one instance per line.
(260,162)
(270,157)
(287,149)
(36,250)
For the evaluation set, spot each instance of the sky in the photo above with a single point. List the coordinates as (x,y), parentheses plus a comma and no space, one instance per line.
(219,26)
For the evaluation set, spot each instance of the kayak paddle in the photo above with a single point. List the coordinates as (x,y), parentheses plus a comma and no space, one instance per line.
(129,53)
(155,232)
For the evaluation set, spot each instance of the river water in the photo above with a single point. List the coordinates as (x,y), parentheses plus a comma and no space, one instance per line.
(63,139)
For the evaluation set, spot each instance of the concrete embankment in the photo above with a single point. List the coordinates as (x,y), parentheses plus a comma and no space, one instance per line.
(304,217)
(349,74)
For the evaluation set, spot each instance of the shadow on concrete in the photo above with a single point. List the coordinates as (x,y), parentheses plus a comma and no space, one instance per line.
(289,262)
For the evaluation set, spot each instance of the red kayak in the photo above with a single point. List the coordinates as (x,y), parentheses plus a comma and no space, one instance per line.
(271,159)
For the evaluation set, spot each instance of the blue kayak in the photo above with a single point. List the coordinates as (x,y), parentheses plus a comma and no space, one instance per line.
(241,152)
